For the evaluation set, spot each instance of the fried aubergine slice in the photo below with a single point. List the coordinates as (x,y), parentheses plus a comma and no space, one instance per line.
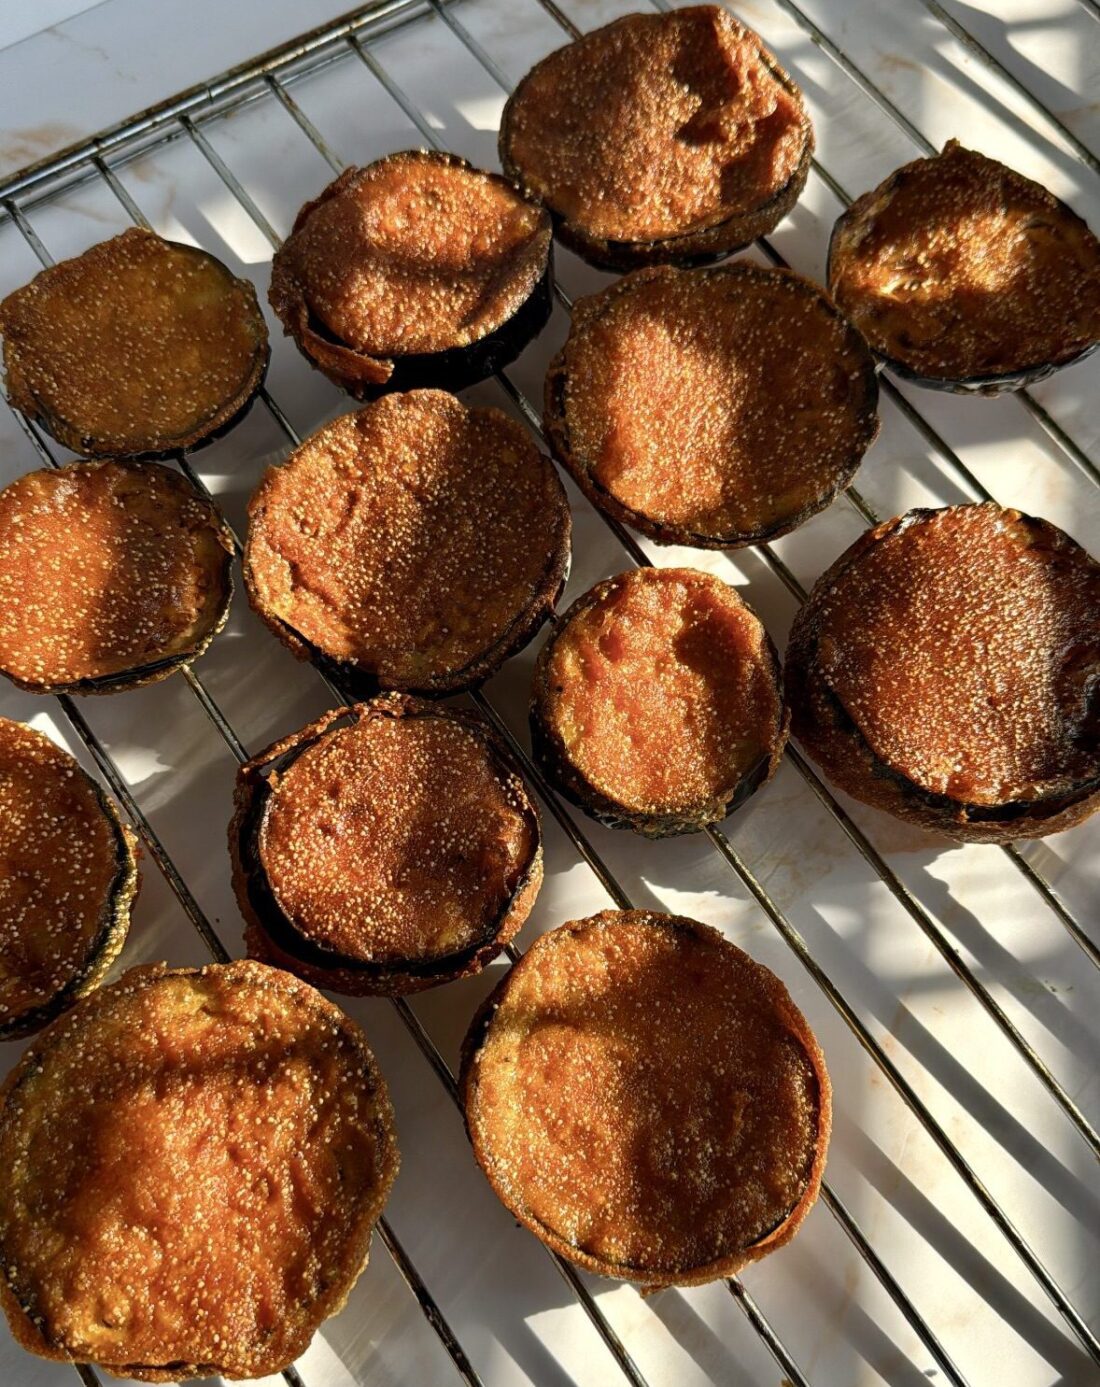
(964,275)
(136,348)
(659,138)
(112,575)
(68,878)
(388,847)
(196,1159)
(418,270)
(657,702)
(647,1099)
(413,545)
(947,669)
(715,407)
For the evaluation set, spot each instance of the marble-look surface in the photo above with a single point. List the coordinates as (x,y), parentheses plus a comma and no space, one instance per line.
(515,1316)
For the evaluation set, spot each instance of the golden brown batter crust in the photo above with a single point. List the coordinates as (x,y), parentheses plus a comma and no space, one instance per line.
(388,847)
(659,137)
(112,574)
(416,542)
(196,1159)
(961,271)
(68,877)
(137,347)
(946,669)
(647,1099)
(657,703)
(711,407)
(418,253)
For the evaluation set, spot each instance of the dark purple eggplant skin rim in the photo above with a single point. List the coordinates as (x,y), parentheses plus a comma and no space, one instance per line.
(955,814)
(290,940)
(1002,383)
(551,759)
(115,923)
(622,256)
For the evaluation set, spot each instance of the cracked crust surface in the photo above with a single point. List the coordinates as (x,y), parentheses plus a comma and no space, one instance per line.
(417,542)
(195,1158)
(647,1099)
(711,407)
(139,346)
(659,136)
(947,668)
(958,269)
(112,574)
(68,876)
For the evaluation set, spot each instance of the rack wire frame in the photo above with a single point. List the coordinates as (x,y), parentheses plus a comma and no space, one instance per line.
(270,76)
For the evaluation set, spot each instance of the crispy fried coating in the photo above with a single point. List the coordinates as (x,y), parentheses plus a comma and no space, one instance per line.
(947,667)
(647,1099)
(112,574)
(196,1159)
(135,348)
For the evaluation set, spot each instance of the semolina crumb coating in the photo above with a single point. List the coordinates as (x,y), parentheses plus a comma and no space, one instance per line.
(387,847)
(647,1099)
(416,542)
(138,346)
(957,268)
(68,875)
(711,407)
(659,136)
(947,668)
(657,701)
(196,1159)
(112,573)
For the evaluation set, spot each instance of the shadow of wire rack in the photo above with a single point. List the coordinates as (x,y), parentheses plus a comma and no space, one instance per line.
(954,989)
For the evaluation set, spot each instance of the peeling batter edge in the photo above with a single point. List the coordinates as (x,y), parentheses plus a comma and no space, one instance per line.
(701,245)
(272,938)
(108,942)
(733,1263)
(828,732)
(553,759)
(558,437)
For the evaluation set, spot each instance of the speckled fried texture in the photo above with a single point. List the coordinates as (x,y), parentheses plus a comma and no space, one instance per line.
(417,541)
(138,346)
(196,1160)
(68,875)
(116,572)
(958,269)
(711,407)
(657,703)
(419,252)
(647,1099)
(659,136)
(393,834)
(947,667)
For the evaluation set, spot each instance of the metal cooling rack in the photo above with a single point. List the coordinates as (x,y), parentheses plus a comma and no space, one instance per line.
(956,1238)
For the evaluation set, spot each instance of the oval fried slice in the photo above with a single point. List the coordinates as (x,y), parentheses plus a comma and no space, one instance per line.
(196,1159)
(659,137)
(68,877)
(112,574)
(647,1099)
(946,668)
(417,270)
(416,543)
(964,274)
(137,347)
(388,847)
(711,407)
(657,703)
